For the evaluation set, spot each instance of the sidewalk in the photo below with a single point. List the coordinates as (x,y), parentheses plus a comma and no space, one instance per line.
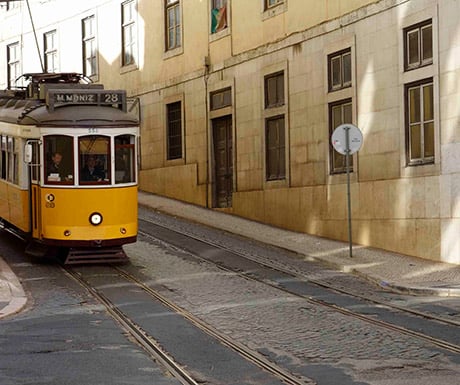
(12,296)
(397,272)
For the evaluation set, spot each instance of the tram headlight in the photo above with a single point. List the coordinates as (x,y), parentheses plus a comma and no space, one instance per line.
(95,219)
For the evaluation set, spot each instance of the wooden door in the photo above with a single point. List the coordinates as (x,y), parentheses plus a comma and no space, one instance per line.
(223,161)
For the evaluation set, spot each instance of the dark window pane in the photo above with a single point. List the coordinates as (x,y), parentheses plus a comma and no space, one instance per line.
(174,123)
(275,149)
(414,105)
(427,43)
(415,142)
(413,47)
(274,90)
(336,72)
(346,69)
(428,102)
(336,116)
(347,113)
(339,114)
(429,139)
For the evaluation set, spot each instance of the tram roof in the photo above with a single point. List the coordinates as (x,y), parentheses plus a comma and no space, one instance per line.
(63,99)
(33,112)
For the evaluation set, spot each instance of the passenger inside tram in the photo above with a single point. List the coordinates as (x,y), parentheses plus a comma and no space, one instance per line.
(92,171)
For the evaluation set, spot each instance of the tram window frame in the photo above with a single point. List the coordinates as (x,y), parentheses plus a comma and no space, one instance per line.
(104,158)
(9,161)
(4,159)
(13,164)
(52,146)
(125,151)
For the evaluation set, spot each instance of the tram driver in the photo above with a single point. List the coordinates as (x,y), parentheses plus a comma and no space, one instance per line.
(56,172)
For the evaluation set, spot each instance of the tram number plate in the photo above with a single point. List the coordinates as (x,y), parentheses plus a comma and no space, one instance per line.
(111,98)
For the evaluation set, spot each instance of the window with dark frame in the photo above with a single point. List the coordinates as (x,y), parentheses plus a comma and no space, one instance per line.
(173,24)
(218,15)
(51,58)
(339,70)
(129,33)
(272,3)
(275,130)
(174,130)
(13,58)
(275,148)
(89,46)
(274,90)
(221,99)
(418,45)
(339,113)
(420,133)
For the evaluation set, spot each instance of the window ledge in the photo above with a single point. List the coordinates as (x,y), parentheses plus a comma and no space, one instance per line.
(274,11)
(419,170)
(219,35)
(173,52)
(128,68)
(275,183)
(175,162)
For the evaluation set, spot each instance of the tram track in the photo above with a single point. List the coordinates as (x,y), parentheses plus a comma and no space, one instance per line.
(154,348)
(148,343)
(451,347)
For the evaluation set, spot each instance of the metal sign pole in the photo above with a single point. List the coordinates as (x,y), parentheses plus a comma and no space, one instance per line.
(347,161)
(352,137)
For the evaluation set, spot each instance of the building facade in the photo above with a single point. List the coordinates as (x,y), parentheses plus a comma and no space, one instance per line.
(239,100)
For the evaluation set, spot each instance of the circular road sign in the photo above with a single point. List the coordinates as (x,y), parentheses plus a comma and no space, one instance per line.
(339,138)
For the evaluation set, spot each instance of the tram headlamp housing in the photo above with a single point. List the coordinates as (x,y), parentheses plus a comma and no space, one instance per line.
(95,219)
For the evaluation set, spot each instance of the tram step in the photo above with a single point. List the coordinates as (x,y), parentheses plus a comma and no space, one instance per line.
(103,255)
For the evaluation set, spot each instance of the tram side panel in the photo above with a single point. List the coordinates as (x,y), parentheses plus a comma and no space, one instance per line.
(14,206)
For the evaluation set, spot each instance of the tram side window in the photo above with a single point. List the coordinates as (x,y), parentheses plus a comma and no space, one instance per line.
(125,159)
(4,157)
(9,159)
(59,159)
(12,161)
(94,159)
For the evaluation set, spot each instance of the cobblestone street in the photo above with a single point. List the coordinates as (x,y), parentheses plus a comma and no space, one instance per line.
(290,331)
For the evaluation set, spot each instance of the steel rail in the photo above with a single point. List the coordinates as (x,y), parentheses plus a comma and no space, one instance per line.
(386,325)
(310,280)
(247,353)
(148,343)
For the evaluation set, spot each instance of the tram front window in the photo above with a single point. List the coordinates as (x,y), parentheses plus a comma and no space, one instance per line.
(59,168)
(94,159)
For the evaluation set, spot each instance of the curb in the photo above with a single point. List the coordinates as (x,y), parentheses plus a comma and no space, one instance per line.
(18,298)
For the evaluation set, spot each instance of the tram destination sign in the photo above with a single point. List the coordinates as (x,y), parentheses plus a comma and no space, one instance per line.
(97,97)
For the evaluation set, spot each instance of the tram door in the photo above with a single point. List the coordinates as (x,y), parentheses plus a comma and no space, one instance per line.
(223,161)
(34,167)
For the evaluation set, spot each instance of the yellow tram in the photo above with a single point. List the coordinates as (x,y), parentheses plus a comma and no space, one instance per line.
(68,167)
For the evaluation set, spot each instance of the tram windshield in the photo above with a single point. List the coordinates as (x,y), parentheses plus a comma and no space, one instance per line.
(94,159)
(124,159)
(59,167)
